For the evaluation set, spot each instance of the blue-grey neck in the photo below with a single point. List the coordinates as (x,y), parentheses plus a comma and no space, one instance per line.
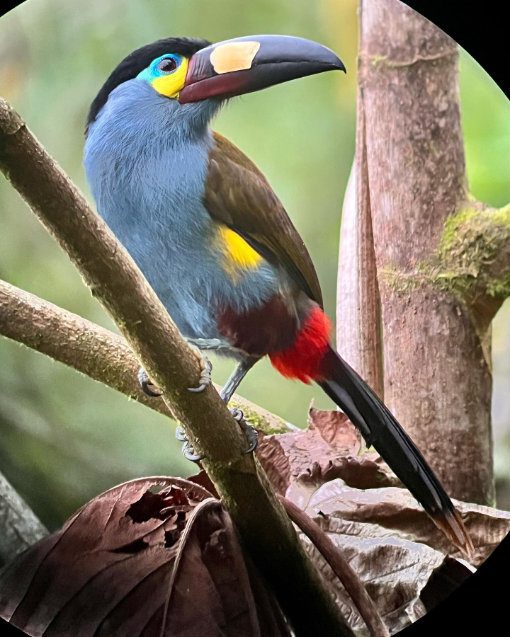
(136,103)
(146,155)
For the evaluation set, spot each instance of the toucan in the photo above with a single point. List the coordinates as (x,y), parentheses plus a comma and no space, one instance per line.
(213,239)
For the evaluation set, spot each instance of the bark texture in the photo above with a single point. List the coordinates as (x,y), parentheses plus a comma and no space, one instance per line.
(116,281)
(437,377)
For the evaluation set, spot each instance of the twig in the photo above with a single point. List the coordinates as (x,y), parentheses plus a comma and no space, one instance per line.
(351,582)
(115,280)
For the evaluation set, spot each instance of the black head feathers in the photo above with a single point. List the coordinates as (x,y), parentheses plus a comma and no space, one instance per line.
(138,60)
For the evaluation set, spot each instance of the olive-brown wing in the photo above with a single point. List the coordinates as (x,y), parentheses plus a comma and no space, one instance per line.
(238,195)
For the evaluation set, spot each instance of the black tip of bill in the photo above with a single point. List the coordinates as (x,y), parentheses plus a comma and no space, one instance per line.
(251,63)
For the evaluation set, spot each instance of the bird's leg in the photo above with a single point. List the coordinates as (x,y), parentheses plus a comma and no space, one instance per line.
(208,343)
(226,394)
(205,372)
(237,376)
(251,434)
(150,389)
(211,344)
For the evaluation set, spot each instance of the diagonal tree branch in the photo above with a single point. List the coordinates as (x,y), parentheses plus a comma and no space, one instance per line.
(94,351)
(115,280)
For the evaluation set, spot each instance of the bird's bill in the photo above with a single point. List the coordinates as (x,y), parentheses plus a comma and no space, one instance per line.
(250,63)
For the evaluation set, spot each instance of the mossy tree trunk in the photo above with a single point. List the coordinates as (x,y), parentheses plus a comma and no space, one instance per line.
(442,260)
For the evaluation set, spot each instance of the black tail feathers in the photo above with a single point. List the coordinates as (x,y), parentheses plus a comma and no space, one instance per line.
(382,431)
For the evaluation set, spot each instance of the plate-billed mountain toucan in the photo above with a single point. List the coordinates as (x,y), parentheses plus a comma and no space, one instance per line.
(211,237)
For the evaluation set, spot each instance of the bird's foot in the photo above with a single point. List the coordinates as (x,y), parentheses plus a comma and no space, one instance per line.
(205,378)
(148,387)
(188,450)
(252,435)
(153,391)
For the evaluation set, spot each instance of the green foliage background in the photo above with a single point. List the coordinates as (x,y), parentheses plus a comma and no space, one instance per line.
(64,438)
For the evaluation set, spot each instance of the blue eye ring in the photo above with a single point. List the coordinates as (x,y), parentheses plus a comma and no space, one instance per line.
(166,64)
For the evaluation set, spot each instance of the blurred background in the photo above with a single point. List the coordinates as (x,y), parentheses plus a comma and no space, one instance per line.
(64,438)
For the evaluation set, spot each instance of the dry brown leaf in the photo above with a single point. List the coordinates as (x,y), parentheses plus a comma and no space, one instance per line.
(393,546)
(395,572)
(336,429)
(303,464)
(147,554)
(330,448)
(395,512)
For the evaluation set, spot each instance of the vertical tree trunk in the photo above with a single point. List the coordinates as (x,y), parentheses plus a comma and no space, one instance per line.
(437,377)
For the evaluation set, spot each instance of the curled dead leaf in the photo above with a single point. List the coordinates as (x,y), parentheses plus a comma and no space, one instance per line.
(150,557)
(393,545)
(337,430)
(330,448)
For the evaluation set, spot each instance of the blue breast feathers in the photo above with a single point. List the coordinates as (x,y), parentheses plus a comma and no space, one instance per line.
(146,161)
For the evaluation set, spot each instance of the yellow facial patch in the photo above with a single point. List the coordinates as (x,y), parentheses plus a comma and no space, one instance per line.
(239,255)
(170,85)
(234,56)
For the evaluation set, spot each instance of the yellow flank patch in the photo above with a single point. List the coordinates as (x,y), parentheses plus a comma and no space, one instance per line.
(239,255)
(170,85)
(234,56)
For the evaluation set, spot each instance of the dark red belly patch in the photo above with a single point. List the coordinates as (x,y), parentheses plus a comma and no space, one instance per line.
(296,351)
(268,328)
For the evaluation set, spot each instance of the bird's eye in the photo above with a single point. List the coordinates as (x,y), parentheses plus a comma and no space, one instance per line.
(167,65)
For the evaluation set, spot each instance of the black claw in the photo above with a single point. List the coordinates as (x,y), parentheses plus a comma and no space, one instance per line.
(148,387)
(252,435)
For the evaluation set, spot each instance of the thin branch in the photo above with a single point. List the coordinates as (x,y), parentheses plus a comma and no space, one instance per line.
(94,351)
(340,566)
(19,525)
(115,280)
